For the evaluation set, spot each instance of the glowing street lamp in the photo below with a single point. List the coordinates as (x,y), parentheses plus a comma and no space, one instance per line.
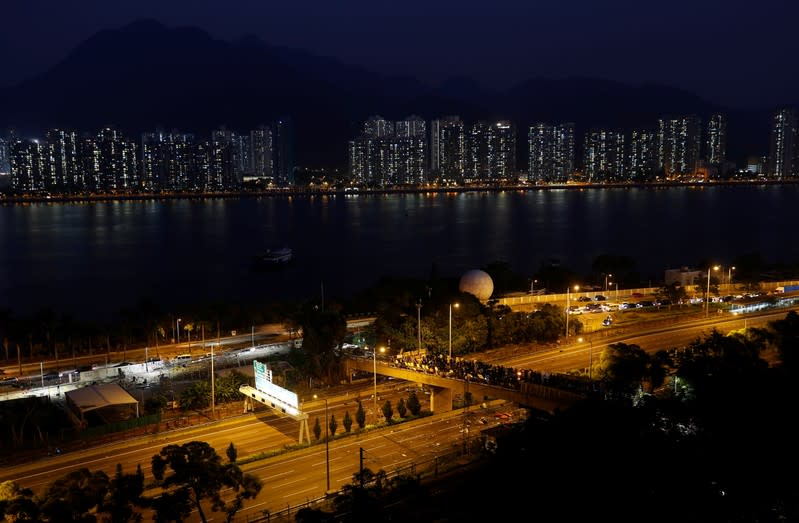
(450,327)
(729,275)
(178,331)
(568,299)
(606,281)
(707,296)
(374,366)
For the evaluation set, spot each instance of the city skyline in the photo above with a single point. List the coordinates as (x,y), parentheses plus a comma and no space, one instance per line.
(408,152)
(713,51)
(146,76)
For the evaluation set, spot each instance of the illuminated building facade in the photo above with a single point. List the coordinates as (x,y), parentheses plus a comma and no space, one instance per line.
(604,156)
(447,148)
(783,151)
(643,159)
(679,146)
(551,148)
(389,153)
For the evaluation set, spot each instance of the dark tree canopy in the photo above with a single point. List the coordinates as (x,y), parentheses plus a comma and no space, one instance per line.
(194,472)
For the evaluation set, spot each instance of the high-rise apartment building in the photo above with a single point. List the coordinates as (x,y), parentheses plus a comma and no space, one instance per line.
(476,164)
(223,162)
(389,153)
(62,173)
(117,162)
(378,127)
(412,126)
(447,148)
(783,150)
(642,164)
(551,153)
(358,157)
(5,159)
(604,156)
(490,152)
(541,155)
(502,151)
(679,145)
(27,158)
(90,163)
(166,160)
(411,137)
(283,151)
(717,140)
(261,157)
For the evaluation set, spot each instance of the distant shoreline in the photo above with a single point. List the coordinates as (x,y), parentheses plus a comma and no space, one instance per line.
(305,191)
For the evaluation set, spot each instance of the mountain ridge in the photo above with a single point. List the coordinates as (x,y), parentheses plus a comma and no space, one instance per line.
(145,75)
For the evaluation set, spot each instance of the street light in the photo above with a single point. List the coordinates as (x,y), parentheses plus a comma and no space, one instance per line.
(617,290)
(707,296)
(729,275)
(374,366)
(327,448)
(450,327)
(213,377)
(532,286)
(178,331)
(568,299)
(606,281)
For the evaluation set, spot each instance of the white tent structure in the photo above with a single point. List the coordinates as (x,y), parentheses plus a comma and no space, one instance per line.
(93,397)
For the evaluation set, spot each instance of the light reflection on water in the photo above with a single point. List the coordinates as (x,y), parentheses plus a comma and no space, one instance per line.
(92,259)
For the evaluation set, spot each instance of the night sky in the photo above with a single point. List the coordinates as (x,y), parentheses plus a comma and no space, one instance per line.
(734,52)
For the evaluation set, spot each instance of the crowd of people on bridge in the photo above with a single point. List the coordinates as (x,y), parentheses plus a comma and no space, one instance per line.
(487,373)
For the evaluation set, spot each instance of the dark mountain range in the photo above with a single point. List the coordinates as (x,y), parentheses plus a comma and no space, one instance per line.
(145,76)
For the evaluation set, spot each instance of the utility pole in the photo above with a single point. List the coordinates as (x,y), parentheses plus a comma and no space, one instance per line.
(360,465)
(213,392)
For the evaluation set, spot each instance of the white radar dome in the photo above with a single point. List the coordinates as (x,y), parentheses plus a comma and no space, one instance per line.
(478,283)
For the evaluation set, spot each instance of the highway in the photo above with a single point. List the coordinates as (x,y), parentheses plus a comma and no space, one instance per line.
(293,478)
(271,333)
(289,479)
(579,351)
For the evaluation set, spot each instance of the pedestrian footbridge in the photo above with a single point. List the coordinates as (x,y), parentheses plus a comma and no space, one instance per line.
(444,389)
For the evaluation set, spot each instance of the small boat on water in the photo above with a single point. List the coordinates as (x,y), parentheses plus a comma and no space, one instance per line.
(276,257)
